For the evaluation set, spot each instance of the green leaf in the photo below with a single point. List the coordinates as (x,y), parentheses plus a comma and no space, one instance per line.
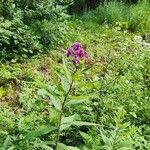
(85,136)
(83,123)
(53,91)
(39,132)
(74,102)
(72,148)
(65,84)
(62,146)
(42,92)
(68,74)
(67,122)
(64,126)
(11,148)
(124,148)
(44,145)
(79,97)
(106,139)
(77,100)
(68,119)
(133,114)
(123,144)
(56,102)
(7,143)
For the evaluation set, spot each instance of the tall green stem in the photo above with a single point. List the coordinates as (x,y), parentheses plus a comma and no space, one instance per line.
(61,115)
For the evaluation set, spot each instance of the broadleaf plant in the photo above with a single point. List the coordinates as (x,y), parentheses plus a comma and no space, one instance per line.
(62,95)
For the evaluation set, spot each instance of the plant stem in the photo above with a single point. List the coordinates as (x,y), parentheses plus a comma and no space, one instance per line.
(61,115)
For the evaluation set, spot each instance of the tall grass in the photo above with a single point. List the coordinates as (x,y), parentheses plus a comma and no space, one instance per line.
(139,16)
(114,11)
(135,16)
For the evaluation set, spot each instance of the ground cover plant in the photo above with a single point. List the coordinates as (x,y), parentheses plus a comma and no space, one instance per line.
(91,92)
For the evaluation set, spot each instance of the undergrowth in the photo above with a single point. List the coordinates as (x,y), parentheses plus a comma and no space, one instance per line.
(110,95)
(48,102)
(134,18)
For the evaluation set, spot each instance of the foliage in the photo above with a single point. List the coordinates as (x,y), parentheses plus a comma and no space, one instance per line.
(133,17)
(16,39)
(22,23)
(106,107)
(32,27)
(79,6)
(138,18)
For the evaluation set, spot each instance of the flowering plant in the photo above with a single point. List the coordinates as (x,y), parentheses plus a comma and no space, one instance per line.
(77,53)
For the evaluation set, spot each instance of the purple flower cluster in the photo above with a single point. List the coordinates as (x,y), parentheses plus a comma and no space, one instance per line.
(77,53)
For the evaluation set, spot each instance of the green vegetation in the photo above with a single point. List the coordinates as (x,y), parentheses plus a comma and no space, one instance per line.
(30,27)
(134,18)
(47,103)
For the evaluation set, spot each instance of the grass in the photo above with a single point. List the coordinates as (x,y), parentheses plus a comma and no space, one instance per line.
(135,17)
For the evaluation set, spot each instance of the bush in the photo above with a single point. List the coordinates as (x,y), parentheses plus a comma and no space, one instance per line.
(16,39)
(30,27)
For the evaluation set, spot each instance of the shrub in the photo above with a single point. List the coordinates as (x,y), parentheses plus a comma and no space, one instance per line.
(16,39)
(30,27)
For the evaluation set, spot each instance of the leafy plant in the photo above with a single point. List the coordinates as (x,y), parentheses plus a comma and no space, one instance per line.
(61,98)
(22,23)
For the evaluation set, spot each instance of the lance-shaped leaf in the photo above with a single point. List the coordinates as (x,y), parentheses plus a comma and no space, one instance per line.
(42,92)
(65,84)
(71,120)
(44,144)
(107,140)
(77,99)
(67,122)
(7,143)
(55,101)
(62,146)
(68,74)
(84,123)
(39,132)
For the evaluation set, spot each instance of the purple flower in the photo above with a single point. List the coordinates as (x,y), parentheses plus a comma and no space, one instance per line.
(76,46)
(75,61)
(83,54)
(69,52)
(76,53)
